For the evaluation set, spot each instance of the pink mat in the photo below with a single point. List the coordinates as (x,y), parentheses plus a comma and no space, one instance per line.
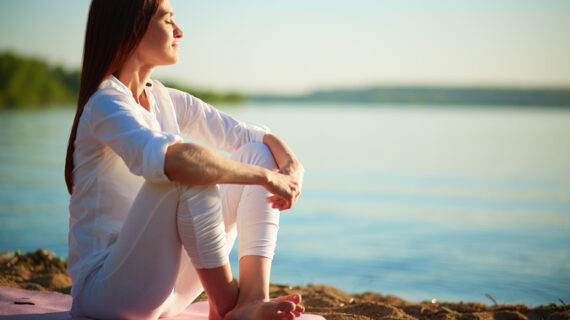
(17,304)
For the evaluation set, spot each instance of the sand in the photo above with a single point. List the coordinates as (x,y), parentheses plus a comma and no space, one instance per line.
(42,270)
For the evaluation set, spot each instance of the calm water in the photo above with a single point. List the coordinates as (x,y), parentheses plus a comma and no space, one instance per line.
(445,203)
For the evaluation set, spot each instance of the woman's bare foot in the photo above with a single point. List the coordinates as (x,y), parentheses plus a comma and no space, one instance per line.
(286,307)
(296,299)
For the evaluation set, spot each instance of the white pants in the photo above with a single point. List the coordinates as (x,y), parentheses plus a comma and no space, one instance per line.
(173,229)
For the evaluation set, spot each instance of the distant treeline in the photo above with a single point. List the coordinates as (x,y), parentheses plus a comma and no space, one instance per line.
(434,95)
(28,82)
(209,96)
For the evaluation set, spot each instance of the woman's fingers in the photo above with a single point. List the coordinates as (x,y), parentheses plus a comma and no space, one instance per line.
(285,189)
(278,203)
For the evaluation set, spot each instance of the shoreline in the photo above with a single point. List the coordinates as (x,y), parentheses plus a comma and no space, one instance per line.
(42,270)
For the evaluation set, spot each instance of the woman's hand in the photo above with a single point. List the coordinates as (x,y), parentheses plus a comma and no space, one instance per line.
(289,167)
(284,189)
(296,170)
(286,185)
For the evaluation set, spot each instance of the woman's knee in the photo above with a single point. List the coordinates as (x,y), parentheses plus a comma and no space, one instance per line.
(201,226)
(257,154)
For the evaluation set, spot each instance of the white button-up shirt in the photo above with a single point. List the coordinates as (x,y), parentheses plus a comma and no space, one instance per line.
(119,144)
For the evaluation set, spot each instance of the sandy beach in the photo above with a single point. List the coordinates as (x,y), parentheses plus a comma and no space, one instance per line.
(42,270)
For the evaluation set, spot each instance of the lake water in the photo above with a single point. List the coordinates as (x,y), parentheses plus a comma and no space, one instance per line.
(439,202)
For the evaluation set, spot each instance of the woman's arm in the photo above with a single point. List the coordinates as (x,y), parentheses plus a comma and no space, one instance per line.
(221,131)
(193,164)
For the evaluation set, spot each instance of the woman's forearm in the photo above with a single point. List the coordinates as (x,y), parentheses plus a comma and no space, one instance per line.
(284,156)
(193,164)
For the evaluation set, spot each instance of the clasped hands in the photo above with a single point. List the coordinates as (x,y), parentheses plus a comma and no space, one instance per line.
(286,185)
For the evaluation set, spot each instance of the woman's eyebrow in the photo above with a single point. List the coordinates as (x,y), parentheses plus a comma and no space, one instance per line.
(164,13)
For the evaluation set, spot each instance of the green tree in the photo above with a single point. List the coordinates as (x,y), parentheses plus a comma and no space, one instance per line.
(30,82)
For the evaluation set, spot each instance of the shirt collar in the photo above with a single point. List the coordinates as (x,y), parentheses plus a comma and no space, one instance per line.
(112,82)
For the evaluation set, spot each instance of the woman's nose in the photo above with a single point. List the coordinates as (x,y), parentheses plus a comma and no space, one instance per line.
(178,33)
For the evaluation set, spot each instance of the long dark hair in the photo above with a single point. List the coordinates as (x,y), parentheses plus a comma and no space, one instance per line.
(114,29)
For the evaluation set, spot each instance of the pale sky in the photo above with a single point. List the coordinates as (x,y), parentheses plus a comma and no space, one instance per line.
(261,46)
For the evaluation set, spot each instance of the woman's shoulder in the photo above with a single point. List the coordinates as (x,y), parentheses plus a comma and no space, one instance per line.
(107,101)
(168,90)
(178,97)
(110,92)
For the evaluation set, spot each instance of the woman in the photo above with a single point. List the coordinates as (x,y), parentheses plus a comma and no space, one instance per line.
(153,219)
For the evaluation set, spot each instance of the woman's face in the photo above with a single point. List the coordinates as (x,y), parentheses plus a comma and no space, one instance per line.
(159,45)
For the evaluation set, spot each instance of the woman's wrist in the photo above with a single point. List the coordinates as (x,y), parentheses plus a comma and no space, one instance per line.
(264,177)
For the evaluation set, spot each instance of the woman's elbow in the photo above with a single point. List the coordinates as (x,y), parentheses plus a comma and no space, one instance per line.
(173,161)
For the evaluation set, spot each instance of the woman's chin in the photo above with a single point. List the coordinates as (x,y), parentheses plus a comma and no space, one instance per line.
(169,61)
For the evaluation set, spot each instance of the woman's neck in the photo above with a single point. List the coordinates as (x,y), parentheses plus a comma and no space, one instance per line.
(135,77)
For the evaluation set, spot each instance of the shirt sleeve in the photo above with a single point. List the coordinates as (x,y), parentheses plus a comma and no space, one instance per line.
(202,122)
(115,124)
